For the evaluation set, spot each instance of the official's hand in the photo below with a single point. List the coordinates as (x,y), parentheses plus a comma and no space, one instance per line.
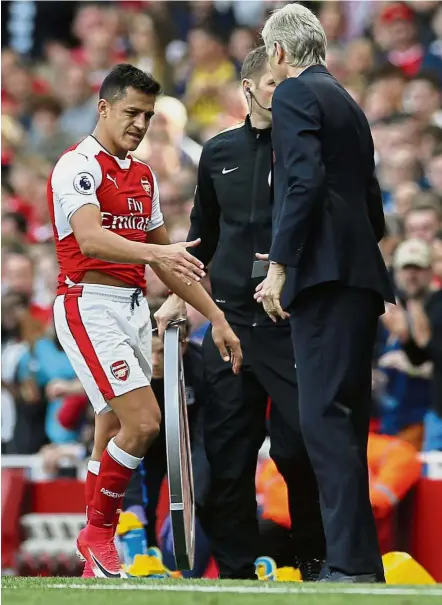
(227,343)
(175,259)
(269,291)
(173,308)
(260,256)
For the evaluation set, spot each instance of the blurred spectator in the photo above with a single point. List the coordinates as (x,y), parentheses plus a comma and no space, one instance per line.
(19,88)
(241,42)
(419,328)
(399,166)
(359,58)
(97,28)
(403,196)
(46,365)
(13,139)
(14,227)
(430,141)
(46,135)
(332,17)
(28,179)
(28,434)
(434,171)
(437,261)
(399,33)
(79,115)
(146,50)
(422,98)
(404,398)
(423,220)
(12,348)
(389,83)
(210,71)
(170,123)
(18,276)
(202,13)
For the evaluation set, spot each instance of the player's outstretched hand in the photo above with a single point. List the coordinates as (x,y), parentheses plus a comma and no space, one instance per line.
(228,344)
(175,259)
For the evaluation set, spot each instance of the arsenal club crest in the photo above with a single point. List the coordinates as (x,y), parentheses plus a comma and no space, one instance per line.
(120,370)
(145,184)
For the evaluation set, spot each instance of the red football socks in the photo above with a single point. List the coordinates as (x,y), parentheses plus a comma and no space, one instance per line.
(110,486)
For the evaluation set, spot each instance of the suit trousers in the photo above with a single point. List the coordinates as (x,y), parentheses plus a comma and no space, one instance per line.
(333,332)
(234,430)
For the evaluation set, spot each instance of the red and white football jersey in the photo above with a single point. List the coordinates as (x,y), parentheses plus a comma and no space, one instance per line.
(126,192)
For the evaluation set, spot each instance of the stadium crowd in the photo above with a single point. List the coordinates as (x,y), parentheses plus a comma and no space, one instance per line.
(388,55)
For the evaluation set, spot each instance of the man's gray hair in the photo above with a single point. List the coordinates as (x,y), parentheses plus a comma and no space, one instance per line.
(300,34)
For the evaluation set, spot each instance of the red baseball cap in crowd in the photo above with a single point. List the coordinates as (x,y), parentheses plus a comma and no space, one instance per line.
(396,12)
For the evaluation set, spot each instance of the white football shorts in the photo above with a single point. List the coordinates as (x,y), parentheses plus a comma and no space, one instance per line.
(107,338)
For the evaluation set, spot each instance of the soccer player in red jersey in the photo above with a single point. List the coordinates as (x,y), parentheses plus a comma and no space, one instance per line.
(108,225)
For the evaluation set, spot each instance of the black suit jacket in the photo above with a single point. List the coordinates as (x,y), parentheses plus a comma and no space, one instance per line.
(328,216)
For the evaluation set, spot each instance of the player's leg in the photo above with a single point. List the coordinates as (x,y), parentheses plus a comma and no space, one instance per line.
(97,335)
(139,418)
(106,426)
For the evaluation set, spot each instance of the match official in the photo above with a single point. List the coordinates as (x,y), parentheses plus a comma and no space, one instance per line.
(233,217)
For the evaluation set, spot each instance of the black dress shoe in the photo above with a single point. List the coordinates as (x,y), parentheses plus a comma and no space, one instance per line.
(338,576)
(310,569)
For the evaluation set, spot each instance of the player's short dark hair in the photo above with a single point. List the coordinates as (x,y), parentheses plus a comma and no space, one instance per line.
(124,76)
(255,63)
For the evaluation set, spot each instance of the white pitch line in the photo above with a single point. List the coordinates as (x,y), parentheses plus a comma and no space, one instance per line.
(425,591)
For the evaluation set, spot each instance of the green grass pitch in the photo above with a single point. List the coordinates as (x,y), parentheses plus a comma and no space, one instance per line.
(74,591)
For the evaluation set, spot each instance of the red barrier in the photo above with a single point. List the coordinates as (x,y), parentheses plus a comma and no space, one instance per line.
(58,496)
(13,489)
(426,543)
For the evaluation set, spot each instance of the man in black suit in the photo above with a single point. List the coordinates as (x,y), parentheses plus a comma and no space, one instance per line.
(328,219)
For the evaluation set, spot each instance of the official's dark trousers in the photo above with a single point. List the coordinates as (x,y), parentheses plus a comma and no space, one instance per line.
(333,330)
(234,430)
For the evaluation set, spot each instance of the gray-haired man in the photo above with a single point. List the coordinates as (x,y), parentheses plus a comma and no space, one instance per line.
(328,220)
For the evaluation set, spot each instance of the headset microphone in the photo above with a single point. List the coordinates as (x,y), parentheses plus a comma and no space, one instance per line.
(256,100)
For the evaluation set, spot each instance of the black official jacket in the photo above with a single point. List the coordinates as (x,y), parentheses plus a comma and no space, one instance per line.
(328,215)
(232,215)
